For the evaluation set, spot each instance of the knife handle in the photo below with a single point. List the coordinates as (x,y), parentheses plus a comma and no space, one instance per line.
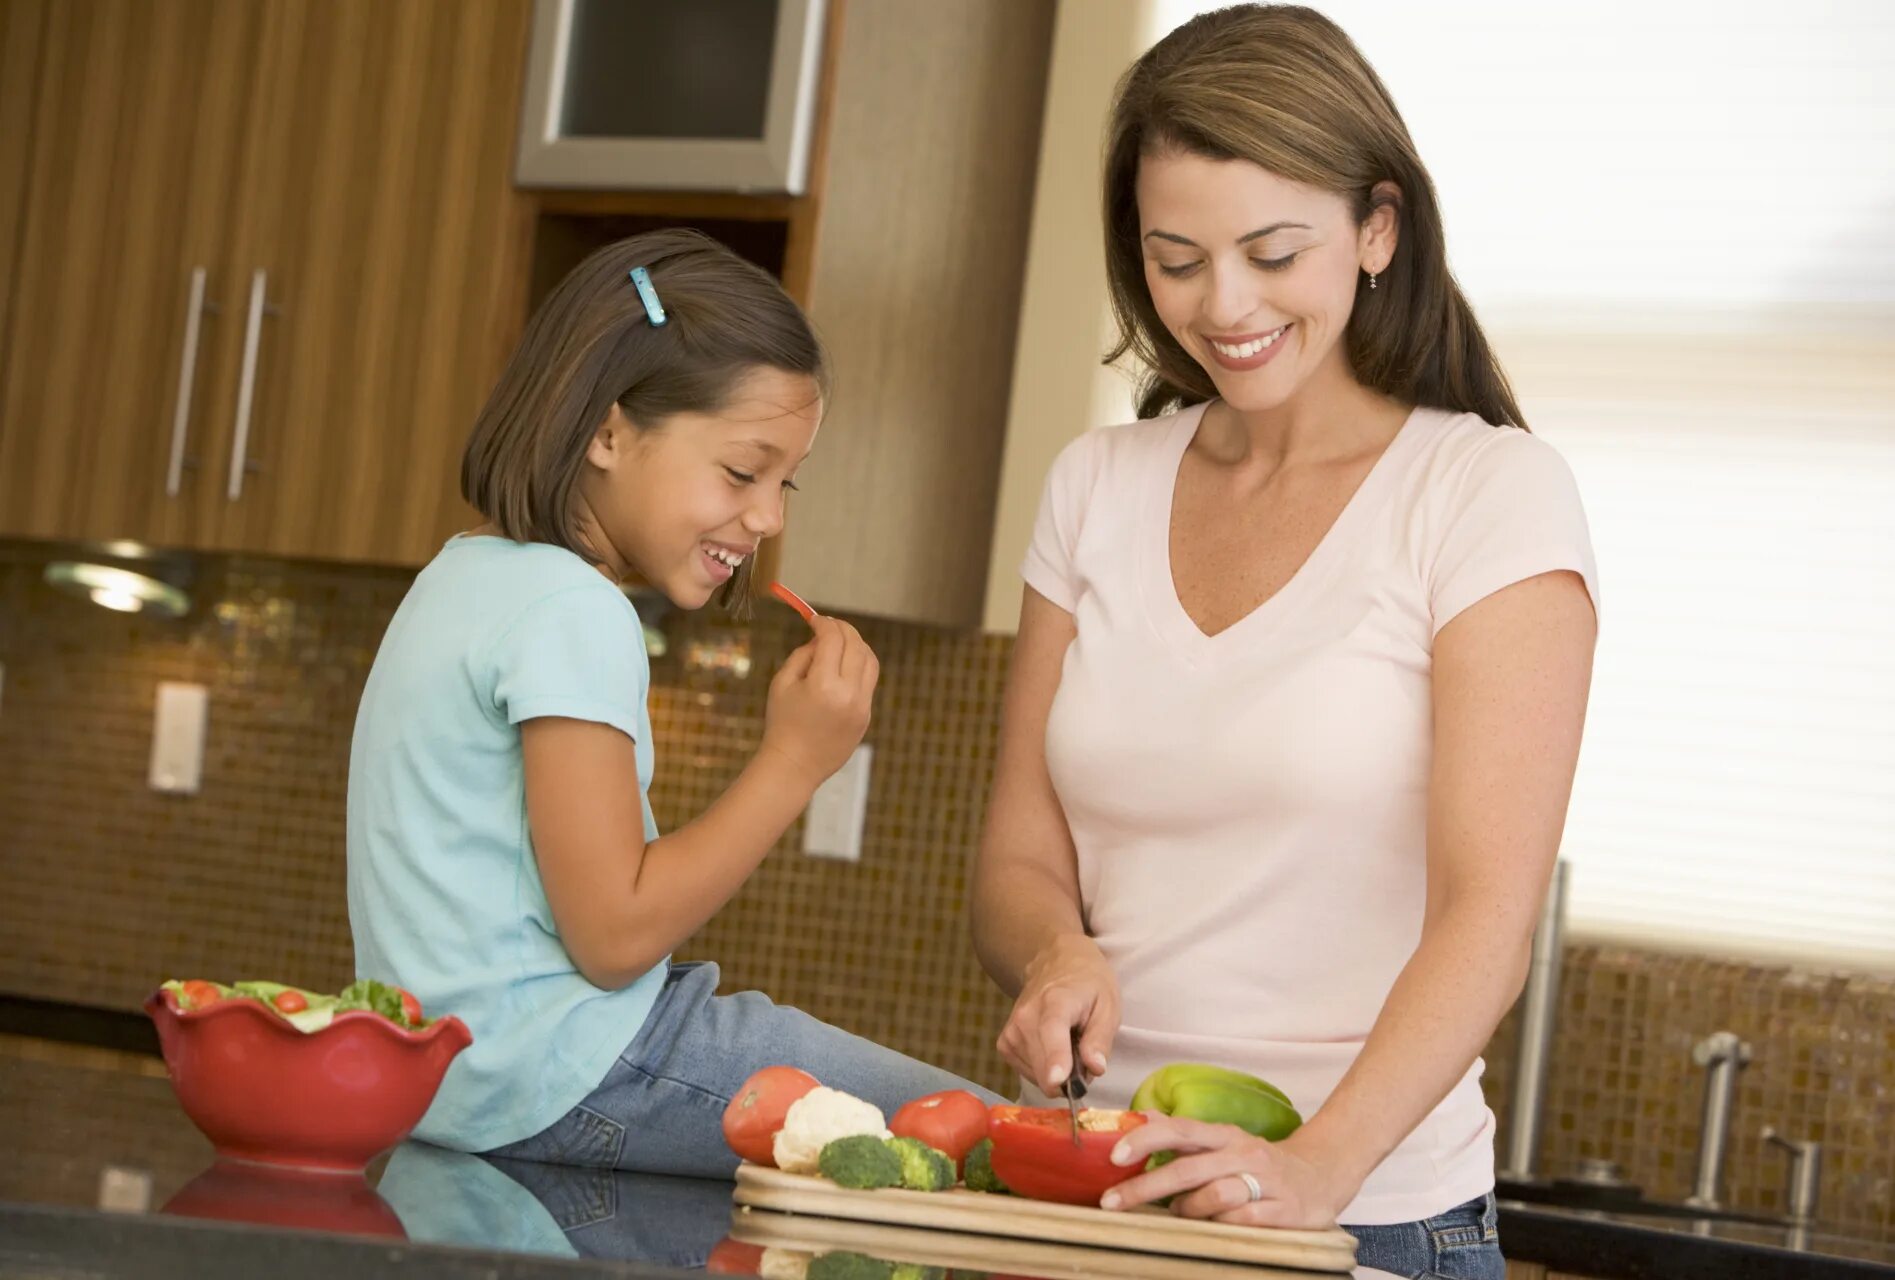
(1076,1077)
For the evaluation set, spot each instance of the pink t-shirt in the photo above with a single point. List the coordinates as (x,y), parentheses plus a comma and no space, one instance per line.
(1250,808)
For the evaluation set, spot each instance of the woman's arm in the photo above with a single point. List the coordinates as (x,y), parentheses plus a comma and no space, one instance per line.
(622,905)
(1026,920)
(1511,676)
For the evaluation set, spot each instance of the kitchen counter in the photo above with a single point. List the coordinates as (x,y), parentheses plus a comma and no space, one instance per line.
(1626,1246)
(85,1125)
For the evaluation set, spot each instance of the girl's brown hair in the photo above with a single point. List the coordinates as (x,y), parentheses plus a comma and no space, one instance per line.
(591,344)
(1283,87)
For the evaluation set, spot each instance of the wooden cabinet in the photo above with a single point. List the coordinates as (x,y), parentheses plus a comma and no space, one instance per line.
(383,238)
(913,279)
(21,25)
(270,264)
(1059,387)
(121,294)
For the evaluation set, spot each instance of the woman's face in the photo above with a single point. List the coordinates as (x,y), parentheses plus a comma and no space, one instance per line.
(1253,274)
(683,504)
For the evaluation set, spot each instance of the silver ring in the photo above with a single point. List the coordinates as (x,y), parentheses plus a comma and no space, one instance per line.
(1252,1185)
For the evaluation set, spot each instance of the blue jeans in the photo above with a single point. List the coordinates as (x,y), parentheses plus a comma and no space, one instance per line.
(1461,1244)
(660,1109)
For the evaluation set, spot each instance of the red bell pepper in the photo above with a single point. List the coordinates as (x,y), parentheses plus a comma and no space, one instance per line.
(1035,1156)
(794,601)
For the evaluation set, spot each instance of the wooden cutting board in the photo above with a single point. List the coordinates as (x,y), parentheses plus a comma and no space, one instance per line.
(960,1251)
(1142,1230)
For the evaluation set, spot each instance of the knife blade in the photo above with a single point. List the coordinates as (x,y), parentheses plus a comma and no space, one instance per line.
(1075,1088)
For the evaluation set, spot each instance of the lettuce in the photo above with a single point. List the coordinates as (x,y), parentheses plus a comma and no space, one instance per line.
(377,997)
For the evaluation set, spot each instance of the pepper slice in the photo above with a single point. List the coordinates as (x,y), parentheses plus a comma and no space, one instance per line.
(1034,1154)
(794,601)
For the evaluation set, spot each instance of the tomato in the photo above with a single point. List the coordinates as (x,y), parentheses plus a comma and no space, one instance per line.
(410,1010)
(1035,1156)
(753,1117)
(199,994)
(290,1002)
(733,1258)
(950,1122)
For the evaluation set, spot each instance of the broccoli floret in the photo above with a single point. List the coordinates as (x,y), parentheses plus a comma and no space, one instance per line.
(978,1169)
(844,1265)
(923,1168)
(863,1162)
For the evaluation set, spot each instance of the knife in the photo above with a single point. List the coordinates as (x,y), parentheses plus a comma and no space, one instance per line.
(1075,1088)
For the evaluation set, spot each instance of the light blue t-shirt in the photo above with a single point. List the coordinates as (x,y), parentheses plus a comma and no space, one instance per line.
(445,895)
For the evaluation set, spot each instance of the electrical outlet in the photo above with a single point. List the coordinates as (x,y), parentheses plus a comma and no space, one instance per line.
(177,738)
(832,828)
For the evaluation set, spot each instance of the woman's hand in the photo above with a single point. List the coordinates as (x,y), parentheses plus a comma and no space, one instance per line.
(1068,984)
(819,702)
(1297,1188)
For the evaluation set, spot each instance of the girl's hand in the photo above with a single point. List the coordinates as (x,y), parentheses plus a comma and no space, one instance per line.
(1298,1188)
(1068,984)
(819,702)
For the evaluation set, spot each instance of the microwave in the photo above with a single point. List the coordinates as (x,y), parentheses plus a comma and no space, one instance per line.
(700,95)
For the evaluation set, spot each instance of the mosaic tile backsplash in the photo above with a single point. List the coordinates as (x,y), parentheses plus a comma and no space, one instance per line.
(111,886)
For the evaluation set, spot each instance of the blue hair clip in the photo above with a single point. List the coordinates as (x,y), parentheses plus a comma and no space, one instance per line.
(654,309)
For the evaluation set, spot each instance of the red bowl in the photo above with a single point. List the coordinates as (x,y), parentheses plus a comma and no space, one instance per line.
(333,1099)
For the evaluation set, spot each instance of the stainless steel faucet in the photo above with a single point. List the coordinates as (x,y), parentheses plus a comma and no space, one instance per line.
(1806,1174)
(1723,1055)
(1539,1011)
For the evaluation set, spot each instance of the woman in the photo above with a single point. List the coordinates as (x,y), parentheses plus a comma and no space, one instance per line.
(1302,665)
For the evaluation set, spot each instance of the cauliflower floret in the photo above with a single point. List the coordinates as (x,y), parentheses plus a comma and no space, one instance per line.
(784,1264)
(817,1119)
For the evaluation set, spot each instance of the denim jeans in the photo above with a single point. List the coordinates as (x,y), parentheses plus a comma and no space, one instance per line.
(660,1109)
(1461,1244)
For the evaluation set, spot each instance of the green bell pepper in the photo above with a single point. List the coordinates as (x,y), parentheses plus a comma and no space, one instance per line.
(1217,1095)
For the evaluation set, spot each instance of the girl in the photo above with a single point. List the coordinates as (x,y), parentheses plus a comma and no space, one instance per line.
(503,861)
(1303,659)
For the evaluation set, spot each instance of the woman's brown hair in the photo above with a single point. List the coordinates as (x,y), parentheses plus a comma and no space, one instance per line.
(591,344)
(1283,87)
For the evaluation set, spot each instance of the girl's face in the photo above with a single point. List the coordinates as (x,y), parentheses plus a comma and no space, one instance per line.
(683,503)
(1253,274)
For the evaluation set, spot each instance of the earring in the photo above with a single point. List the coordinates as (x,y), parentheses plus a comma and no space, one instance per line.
(1371,279)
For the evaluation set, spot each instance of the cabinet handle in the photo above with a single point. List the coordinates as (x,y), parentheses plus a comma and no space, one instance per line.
(194,311)
(247,382)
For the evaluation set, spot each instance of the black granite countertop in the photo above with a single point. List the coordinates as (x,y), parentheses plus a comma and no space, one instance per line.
(84,1127)
(1627,1246)
(43,1242)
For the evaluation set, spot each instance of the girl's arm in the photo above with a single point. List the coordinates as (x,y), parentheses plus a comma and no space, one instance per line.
(1511,675)
(1027,927)
(622,905)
